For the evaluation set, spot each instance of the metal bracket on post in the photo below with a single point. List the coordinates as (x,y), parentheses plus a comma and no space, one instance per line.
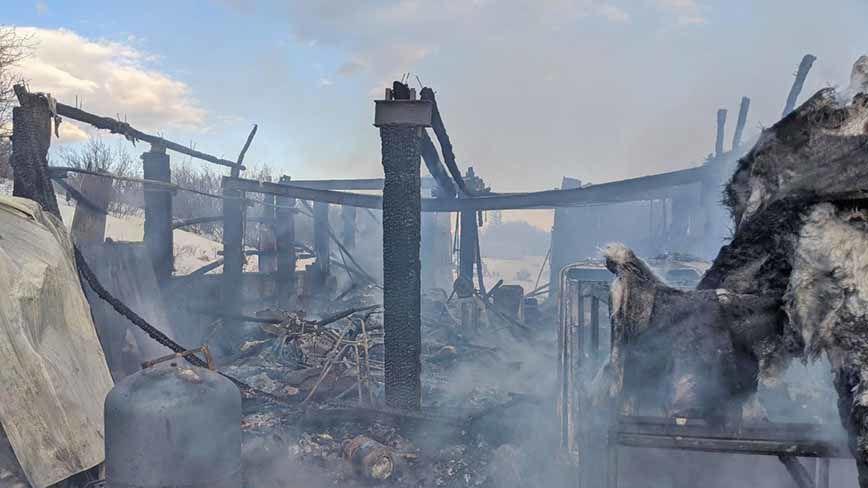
(400,122)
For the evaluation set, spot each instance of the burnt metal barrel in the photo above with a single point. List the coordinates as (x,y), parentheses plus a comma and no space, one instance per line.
(171,426)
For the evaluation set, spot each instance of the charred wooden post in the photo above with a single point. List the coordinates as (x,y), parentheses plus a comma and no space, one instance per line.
(31,138)
(721,130)
(285,236)
(321,245)
(158,213)
(798,83)
(743,109)
(400,122)
(595,325)
(468,234)
(233,249)
(348,229)
(559,244)
(89,220)
(267,245)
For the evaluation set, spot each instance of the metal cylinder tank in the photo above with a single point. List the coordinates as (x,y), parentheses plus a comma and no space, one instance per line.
(173,425)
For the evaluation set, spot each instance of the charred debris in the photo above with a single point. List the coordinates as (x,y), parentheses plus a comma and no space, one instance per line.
(353,353)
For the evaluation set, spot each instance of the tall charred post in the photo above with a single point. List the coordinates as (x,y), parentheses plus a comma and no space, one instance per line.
(400,120)
(233,250)
(348,228)
(285,237)
(721,130)
(321,245)
(31,138)
(158,213)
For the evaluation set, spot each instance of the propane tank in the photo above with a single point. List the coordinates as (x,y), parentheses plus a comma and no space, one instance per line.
(173,425)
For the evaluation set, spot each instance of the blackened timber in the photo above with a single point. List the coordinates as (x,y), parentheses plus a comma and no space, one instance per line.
(798,83)
(31,138)
(743,109)
(401,266)
(321,241)
(126,130)
(348,226)
(236,170)
(467,239)
(211,219)
(721,128)
(158,214)
(445,185)
(633,189)
(89,220)
(286,257)
(233,245)
(443,138)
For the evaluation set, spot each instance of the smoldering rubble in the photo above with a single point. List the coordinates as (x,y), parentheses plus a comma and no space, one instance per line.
(788,286)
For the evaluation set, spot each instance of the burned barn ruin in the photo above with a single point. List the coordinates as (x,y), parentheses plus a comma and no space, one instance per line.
(365,346)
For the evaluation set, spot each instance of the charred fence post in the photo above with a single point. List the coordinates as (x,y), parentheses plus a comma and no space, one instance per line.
(321,245)
(267,230)
(798,83)
(285,236)
(721,130)
(89,220)
(560,239)
(31,138)
(743,109)
(400,122)
(158,213)
(348,229)
(233,249)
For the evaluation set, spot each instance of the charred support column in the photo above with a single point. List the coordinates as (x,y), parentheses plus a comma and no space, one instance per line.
(89,220)
(721,129)
(468,234)
(560,245)
(285,235)
(798,83)
(233,248)
(31,138)
(348,229)
(400,122)
(743,109)
(158,213)
(267,244)
(321,244)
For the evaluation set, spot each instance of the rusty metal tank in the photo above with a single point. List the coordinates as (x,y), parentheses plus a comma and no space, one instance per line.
(173,425)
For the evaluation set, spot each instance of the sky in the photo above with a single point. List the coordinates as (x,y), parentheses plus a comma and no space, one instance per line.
(530,90)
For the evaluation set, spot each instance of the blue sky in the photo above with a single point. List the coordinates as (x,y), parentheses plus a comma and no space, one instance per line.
(530,90)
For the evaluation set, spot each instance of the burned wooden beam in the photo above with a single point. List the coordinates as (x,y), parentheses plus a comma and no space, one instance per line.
(798,83)
(321,244)
(236,170)
(400,122)
(286,257)
(721,130)
(117,127)
(439,128)
(445,186)
(633,189)
(743,109)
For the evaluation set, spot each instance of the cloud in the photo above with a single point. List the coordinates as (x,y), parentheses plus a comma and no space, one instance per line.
(71,132)
(352,67)
(687,12)
(41,8)
(613,13)
(108,78)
